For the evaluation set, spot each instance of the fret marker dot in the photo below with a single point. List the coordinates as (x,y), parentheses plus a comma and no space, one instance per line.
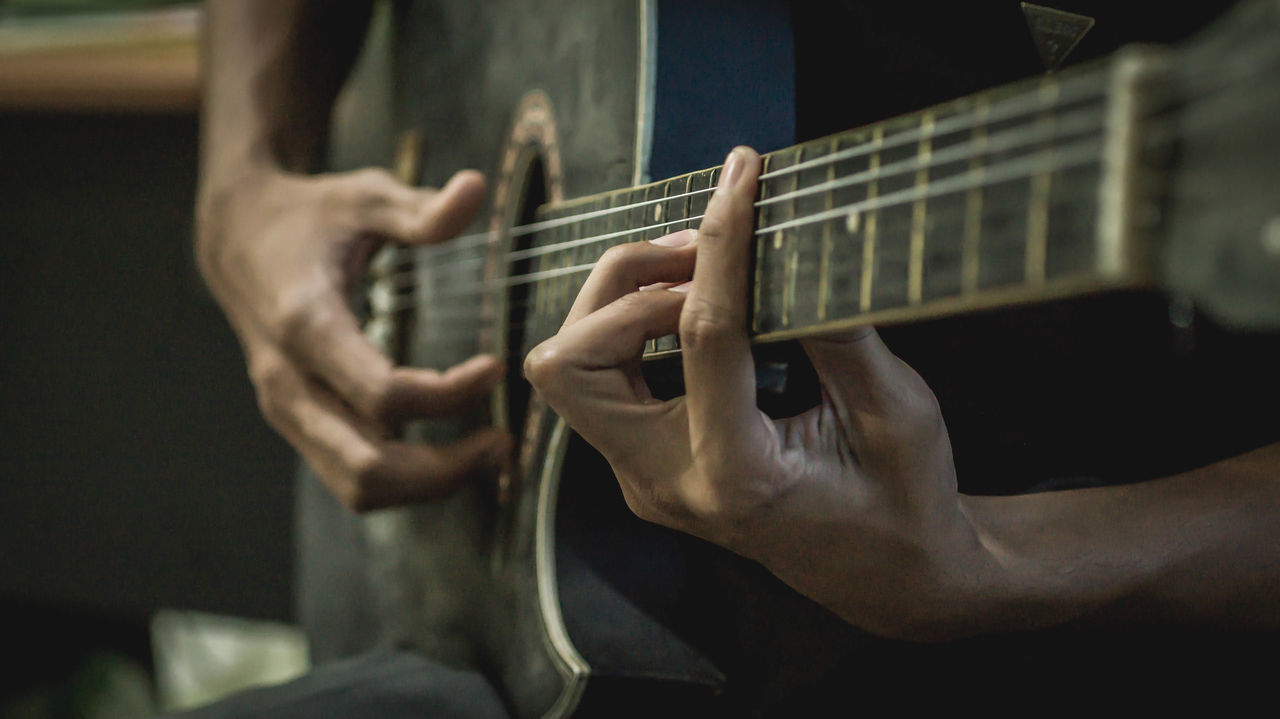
(657,213)
(851,222)
(777,240)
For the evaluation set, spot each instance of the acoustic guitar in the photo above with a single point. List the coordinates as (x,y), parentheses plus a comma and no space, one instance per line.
(1156,168)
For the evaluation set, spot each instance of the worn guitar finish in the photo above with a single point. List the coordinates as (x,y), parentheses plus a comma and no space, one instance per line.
(1087,181)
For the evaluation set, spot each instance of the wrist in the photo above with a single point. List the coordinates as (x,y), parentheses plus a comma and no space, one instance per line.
(1022,587)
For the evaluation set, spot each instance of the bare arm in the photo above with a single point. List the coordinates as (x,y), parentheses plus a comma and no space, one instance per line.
(855,502)
(1203,546)
(272,73)
(280,249)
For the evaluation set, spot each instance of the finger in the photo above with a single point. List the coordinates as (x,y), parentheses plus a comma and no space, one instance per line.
(589,373)
(426,393)
(419,215)
(719,372)
(364,470)
(322,336)
(626,268)
(612,338)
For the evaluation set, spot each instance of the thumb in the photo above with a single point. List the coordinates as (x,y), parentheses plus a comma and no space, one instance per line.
(414,215)
(878,397)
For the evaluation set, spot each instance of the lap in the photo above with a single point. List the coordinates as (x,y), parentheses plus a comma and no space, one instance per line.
(384,684)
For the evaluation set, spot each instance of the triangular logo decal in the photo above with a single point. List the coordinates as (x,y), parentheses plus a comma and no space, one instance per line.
(1056,32)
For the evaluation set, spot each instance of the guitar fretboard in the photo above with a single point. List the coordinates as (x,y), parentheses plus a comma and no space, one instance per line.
(987,200)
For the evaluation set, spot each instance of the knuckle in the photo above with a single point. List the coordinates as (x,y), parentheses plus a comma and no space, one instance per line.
(296,316)
(618,259)
(704,323)
(639,502)
(544,367)
(379,401)
(373,178)
(364,478)
(634,304)
(271,383)
(720,223)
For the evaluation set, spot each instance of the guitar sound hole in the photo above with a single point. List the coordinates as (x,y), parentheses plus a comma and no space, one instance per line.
(532,194)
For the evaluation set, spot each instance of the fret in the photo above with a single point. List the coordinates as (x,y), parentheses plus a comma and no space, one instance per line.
(773,290)
(1003,218)
(1038,207)
(973,199)
(924,153)
(654,213)
(941,243)
(787,246)
(870,223)
(824,261)
(698,203)
(757,303)
(807,244)
(680,208)
(844,266)
(660,213)
(1070,249)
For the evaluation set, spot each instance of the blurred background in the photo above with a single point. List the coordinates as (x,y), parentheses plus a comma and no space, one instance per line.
(145,508)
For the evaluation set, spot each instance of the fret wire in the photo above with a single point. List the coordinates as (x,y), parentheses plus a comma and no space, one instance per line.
(869,235)
(973,207)
(1038,206)
(758,286)
(915,273)
(824,280)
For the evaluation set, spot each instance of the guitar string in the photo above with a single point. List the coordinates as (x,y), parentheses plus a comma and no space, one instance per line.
(468,291)
(1080,152)
(399,301)
(1028,103)
(1073,125)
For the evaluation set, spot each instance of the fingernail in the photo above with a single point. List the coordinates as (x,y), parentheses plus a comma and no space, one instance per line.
(682,288)
(732,168)
(675,239)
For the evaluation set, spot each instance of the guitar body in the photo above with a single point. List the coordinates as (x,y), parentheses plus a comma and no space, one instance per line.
(556,101)
(545,582)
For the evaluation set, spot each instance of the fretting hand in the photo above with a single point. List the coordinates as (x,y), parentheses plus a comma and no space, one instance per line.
(853,502)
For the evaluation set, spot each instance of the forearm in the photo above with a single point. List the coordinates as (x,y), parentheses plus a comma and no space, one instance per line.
(1203,546)
(1199,547)
(273,70)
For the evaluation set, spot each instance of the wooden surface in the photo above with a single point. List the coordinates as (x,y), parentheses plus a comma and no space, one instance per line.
(141,62)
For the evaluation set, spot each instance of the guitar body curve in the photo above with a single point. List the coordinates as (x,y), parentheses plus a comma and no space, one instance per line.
(575,97)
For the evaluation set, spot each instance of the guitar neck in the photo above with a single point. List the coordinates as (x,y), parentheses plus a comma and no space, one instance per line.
(1010,196)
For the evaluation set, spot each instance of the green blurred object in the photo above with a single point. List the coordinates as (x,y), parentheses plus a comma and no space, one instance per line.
(44,8)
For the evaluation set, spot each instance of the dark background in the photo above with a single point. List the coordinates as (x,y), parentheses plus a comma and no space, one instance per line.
(137,474)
